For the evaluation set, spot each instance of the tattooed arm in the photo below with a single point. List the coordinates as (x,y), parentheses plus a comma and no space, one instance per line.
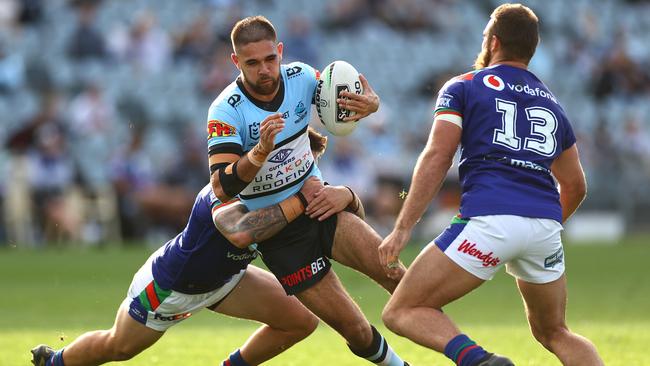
(243,228)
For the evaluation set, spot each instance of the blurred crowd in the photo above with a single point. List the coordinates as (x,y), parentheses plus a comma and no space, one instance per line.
(103,102)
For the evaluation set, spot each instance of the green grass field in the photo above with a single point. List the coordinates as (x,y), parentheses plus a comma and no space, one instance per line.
(52,296)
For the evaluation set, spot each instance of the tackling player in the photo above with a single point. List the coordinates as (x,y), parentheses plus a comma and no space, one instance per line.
(205,268)
(281,96)
(515,138)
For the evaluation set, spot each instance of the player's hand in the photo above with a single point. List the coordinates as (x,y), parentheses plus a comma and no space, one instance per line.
(363,104)
(389,251)
(311,186)
(328,201)
(269,128)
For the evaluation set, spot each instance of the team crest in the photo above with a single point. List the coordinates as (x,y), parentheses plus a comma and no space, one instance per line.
(493,82)
(218,128)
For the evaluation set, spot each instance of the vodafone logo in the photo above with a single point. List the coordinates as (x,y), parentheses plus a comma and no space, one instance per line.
(493,82)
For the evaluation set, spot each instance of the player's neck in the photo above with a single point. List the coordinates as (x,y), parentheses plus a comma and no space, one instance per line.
(519,64)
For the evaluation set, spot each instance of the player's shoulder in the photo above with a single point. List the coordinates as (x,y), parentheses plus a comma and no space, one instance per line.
(299,70)
(230,97)
(459,81)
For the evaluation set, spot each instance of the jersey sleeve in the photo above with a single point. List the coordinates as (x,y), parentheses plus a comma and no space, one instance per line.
(224,129)
(308,73)
(450,103)
(568,136)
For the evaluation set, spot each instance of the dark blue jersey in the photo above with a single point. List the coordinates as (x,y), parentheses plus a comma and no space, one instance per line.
(199,259)
(513,129)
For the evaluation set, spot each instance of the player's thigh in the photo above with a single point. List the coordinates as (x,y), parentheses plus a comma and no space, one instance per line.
(355,245)
(433,280)
(330,302)
(260,297)
(545,303)
(130,335)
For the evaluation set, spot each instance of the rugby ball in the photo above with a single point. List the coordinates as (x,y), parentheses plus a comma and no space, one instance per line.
(336,77)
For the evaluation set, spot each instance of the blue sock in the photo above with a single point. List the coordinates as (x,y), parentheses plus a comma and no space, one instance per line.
(56,359)
(235,359)
(464,351)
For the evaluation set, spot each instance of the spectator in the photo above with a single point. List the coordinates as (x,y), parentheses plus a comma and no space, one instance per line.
(194,43)
(300,44)
(144,45)
(86,42)
(12,71)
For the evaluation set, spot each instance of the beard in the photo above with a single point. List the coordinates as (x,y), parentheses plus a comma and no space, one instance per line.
(262,87)
(483,59)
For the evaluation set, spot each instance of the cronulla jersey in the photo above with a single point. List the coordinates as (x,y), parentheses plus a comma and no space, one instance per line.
(513,129)
(199,259)
(234,118)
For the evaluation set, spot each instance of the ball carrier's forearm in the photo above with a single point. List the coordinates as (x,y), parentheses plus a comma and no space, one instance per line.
(229,175)
(228,180)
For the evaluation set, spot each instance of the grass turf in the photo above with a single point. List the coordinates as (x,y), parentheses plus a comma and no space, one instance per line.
(56,294)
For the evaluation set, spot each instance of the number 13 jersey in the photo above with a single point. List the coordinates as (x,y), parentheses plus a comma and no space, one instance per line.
(513,130)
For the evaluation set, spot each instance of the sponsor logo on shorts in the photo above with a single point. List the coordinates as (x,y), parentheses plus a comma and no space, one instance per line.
(218,128)
(553,259)
(171,317)
(241,257)
(470,249)
(304,273)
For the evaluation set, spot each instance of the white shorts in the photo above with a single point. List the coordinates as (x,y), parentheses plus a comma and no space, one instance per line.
(159,308)
(531,248)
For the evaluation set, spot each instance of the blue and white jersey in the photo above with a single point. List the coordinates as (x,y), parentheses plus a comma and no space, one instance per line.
(199,259)
(513,129)
(234,121)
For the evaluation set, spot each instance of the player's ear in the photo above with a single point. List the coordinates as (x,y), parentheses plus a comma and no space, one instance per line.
(280,48)
(235,60)
(495,44)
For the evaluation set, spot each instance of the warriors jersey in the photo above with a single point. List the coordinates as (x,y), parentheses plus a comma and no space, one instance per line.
(199,259)
(513,129)
(234,125)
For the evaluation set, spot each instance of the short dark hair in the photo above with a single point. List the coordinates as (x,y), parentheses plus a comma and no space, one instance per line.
(317,142)
(252,29)
(517,28)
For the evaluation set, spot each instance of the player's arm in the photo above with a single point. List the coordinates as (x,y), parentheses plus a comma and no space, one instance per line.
(363,104)
(428,175)
(571,178)
(242,227)
(230,172)
(332,199)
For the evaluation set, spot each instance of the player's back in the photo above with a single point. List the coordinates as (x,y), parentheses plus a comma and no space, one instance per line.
(200,258)
(513,129)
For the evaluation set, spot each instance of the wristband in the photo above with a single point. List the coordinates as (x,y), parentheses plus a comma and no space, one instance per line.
(291,208)
(354,200)
(302,199)
(252,157)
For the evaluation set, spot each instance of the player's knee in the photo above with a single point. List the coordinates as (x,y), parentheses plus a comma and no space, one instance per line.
(306,326)
(123,351)
(390,316)
(548,336)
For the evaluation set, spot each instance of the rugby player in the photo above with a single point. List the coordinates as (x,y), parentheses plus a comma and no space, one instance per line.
(515,139)
(267,90)
(205,268)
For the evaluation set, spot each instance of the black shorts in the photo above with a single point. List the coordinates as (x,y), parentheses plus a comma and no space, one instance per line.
(299,254)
